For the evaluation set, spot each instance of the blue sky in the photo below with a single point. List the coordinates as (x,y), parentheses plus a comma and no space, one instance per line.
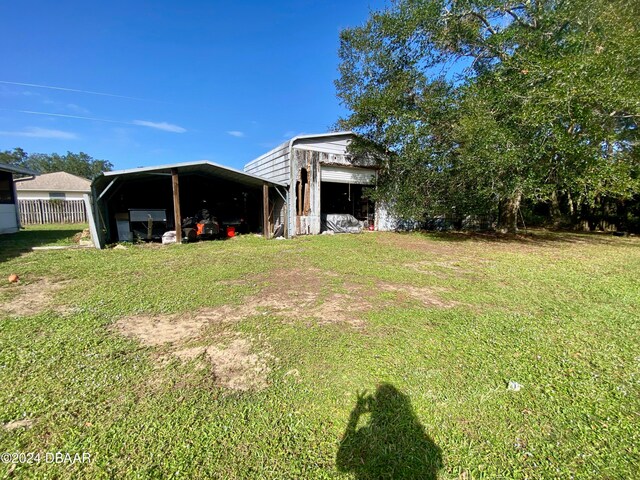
(182,80)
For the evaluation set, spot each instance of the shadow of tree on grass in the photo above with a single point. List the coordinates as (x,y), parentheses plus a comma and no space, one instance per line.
(14,244)
(391,444)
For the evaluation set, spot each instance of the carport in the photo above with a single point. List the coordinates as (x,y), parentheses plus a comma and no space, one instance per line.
(168,193)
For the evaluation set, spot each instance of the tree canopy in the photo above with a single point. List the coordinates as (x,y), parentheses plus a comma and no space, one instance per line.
(79,164)
(484,103)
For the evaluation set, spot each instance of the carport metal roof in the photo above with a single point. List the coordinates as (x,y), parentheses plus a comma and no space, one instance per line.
(200,166)
(13,169)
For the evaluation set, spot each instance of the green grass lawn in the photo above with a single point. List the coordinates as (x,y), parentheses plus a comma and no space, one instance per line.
(378,355)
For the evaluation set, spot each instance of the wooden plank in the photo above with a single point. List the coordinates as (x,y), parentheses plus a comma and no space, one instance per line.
(265,210)
(176,204)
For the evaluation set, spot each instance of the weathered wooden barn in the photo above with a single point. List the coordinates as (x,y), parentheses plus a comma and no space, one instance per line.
(322,179)
(290,190)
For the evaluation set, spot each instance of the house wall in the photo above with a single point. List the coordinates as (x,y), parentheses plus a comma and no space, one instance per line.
(45,195)
(8,218)
(8,209)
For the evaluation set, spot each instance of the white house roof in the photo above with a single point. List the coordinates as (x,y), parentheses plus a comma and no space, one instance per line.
(54,182)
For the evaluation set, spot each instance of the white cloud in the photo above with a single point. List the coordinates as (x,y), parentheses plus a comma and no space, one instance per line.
(72,107)
(167,127)
(236,133)
(37,132)
(77,109)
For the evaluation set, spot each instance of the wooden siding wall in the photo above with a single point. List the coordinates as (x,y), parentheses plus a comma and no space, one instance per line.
(51,211)
(309,222)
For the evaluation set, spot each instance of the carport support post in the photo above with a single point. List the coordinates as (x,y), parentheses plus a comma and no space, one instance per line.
(176,204)
(265,210)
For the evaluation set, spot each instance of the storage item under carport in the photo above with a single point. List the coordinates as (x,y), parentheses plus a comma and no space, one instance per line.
(341,223)
(201,226)
(148,224)
(123,227)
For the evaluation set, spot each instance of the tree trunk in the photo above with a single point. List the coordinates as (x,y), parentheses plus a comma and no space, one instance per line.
(570,202)
(508,213)
(556,213)
(583,217)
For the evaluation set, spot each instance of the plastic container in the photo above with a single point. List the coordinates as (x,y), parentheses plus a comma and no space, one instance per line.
(231,232)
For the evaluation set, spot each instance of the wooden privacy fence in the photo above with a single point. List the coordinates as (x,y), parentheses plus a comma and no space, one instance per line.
(52,211)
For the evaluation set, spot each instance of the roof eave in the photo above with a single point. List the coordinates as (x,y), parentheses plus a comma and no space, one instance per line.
(13,169)
(160,168)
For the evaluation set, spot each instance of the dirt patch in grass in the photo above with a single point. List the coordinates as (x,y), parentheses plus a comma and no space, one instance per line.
(237,368)
(295,295)
(428,296)
(34,297)
(235,365)
(310,296)
(16,424)
(156,330)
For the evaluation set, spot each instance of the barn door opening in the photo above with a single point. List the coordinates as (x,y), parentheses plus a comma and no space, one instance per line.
(302,190)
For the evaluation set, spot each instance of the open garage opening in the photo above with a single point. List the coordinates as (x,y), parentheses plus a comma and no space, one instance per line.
(343,199)
(142,207)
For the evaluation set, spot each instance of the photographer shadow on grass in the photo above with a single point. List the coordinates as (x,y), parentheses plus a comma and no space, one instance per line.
(391,444)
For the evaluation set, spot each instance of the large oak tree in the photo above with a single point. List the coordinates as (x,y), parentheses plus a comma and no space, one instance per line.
(80,164)
(484,103)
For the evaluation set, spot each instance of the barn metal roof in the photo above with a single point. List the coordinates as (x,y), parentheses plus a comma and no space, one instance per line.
(200,166)
(289,143)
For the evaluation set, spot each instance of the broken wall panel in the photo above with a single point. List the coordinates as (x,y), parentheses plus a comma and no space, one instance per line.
(305,169)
